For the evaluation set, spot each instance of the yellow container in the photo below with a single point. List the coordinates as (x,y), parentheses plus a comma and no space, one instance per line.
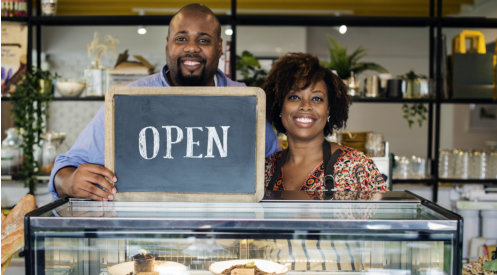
(477,42)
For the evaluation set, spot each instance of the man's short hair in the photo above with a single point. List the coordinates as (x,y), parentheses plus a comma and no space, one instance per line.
(199,8)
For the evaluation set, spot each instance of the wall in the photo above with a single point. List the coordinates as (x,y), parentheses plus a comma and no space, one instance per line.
(397,49)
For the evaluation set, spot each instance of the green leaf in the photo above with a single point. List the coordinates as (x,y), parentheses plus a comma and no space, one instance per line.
(345,64)
(250,68)
(490,265)
(30,108)
(414,112)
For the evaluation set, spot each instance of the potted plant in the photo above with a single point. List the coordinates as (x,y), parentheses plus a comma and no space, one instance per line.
(30,109)
(344,64)
(251,70)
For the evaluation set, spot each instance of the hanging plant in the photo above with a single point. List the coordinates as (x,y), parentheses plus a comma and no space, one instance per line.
(30,110)
(414,113)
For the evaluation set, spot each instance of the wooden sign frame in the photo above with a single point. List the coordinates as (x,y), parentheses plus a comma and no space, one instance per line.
(189,91)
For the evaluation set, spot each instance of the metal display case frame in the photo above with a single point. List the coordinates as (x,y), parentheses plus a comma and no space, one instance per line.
(280,215)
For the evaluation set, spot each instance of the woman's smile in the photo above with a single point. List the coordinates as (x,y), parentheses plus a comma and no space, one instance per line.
(304,121)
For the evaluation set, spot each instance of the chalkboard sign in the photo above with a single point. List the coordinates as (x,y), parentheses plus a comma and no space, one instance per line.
(186,143)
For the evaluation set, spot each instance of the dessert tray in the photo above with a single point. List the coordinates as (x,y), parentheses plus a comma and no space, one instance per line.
(264,265)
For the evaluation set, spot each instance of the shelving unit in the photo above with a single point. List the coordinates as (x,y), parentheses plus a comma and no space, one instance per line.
(435,22)
(17,178)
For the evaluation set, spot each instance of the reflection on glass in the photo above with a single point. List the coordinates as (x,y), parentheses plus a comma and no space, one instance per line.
(324,253)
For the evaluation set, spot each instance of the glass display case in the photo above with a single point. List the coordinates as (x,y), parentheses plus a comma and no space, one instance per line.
(346,233)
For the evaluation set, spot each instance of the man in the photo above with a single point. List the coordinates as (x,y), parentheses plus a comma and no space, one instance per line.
(193,48)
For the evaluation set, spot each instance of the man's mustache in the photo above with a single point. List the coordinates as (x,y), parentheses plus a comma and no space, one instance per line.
(195,56)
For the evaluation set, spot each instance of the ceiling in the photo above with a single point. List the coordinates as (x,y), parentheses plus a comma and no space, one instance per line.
(395,8)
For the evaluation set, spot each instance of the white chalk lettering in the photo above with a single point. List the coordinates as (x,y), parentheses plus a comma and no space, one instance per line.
(142,142)
(169,140)
(190,142)
(213,136)
(194,142)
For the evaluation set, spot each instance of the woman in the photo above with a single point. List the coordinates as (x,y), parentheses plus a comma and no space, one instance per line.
(307,102)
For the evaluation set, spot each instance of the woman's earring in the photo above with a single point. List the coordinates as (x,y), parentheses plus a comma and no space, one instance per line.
(328,120)
(280,114)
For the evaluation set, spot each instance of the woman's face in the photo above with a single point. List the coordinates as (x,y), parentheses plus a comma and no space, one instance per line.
(305,112)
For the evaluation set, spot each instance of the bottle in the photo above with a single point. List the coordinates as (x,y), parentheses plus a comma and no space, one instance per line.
(48,155)
(11,155)
(4,8)
(22,8)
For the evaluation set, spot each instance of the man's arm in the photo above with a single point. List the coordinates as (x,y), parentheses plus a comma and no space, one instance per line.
(84,182)
(80,171)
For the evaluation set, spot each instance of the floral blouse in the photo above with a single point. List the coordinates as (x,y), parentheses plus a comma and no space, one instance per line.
(354,171)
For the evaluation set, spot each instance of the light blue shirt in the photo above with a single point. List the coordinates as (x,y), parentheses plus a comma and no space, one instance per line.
(90,145)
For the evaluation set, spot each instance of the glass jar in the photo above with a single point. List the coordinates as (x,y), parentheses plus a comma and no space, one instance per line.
(48,7)
(444,164)
(375,146)
(401,169)
(48,155)
(11,153)
(478,166)
(462,164)
(491,172)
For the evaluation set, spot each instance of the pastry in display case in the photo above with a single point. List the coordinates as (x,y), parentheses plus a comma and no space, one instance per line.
(287,233)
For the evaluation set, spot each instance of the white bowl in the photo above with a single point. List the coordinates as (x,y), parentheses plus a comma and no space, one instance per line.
(70,88)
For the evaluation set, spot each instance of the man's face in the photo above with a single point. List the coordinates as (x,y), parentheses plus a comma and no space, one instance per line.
(193,49)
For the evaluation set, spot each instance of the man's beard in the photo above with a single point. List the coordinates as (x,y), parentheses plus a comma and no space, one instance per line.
(190,80)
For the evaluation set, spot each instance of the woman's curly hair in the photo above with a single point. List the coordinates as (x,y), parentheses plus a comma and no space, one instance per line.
(303,69)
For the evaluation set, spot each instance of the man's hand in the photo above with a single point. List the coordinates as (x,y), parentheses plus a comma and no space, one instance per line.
(85,182)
